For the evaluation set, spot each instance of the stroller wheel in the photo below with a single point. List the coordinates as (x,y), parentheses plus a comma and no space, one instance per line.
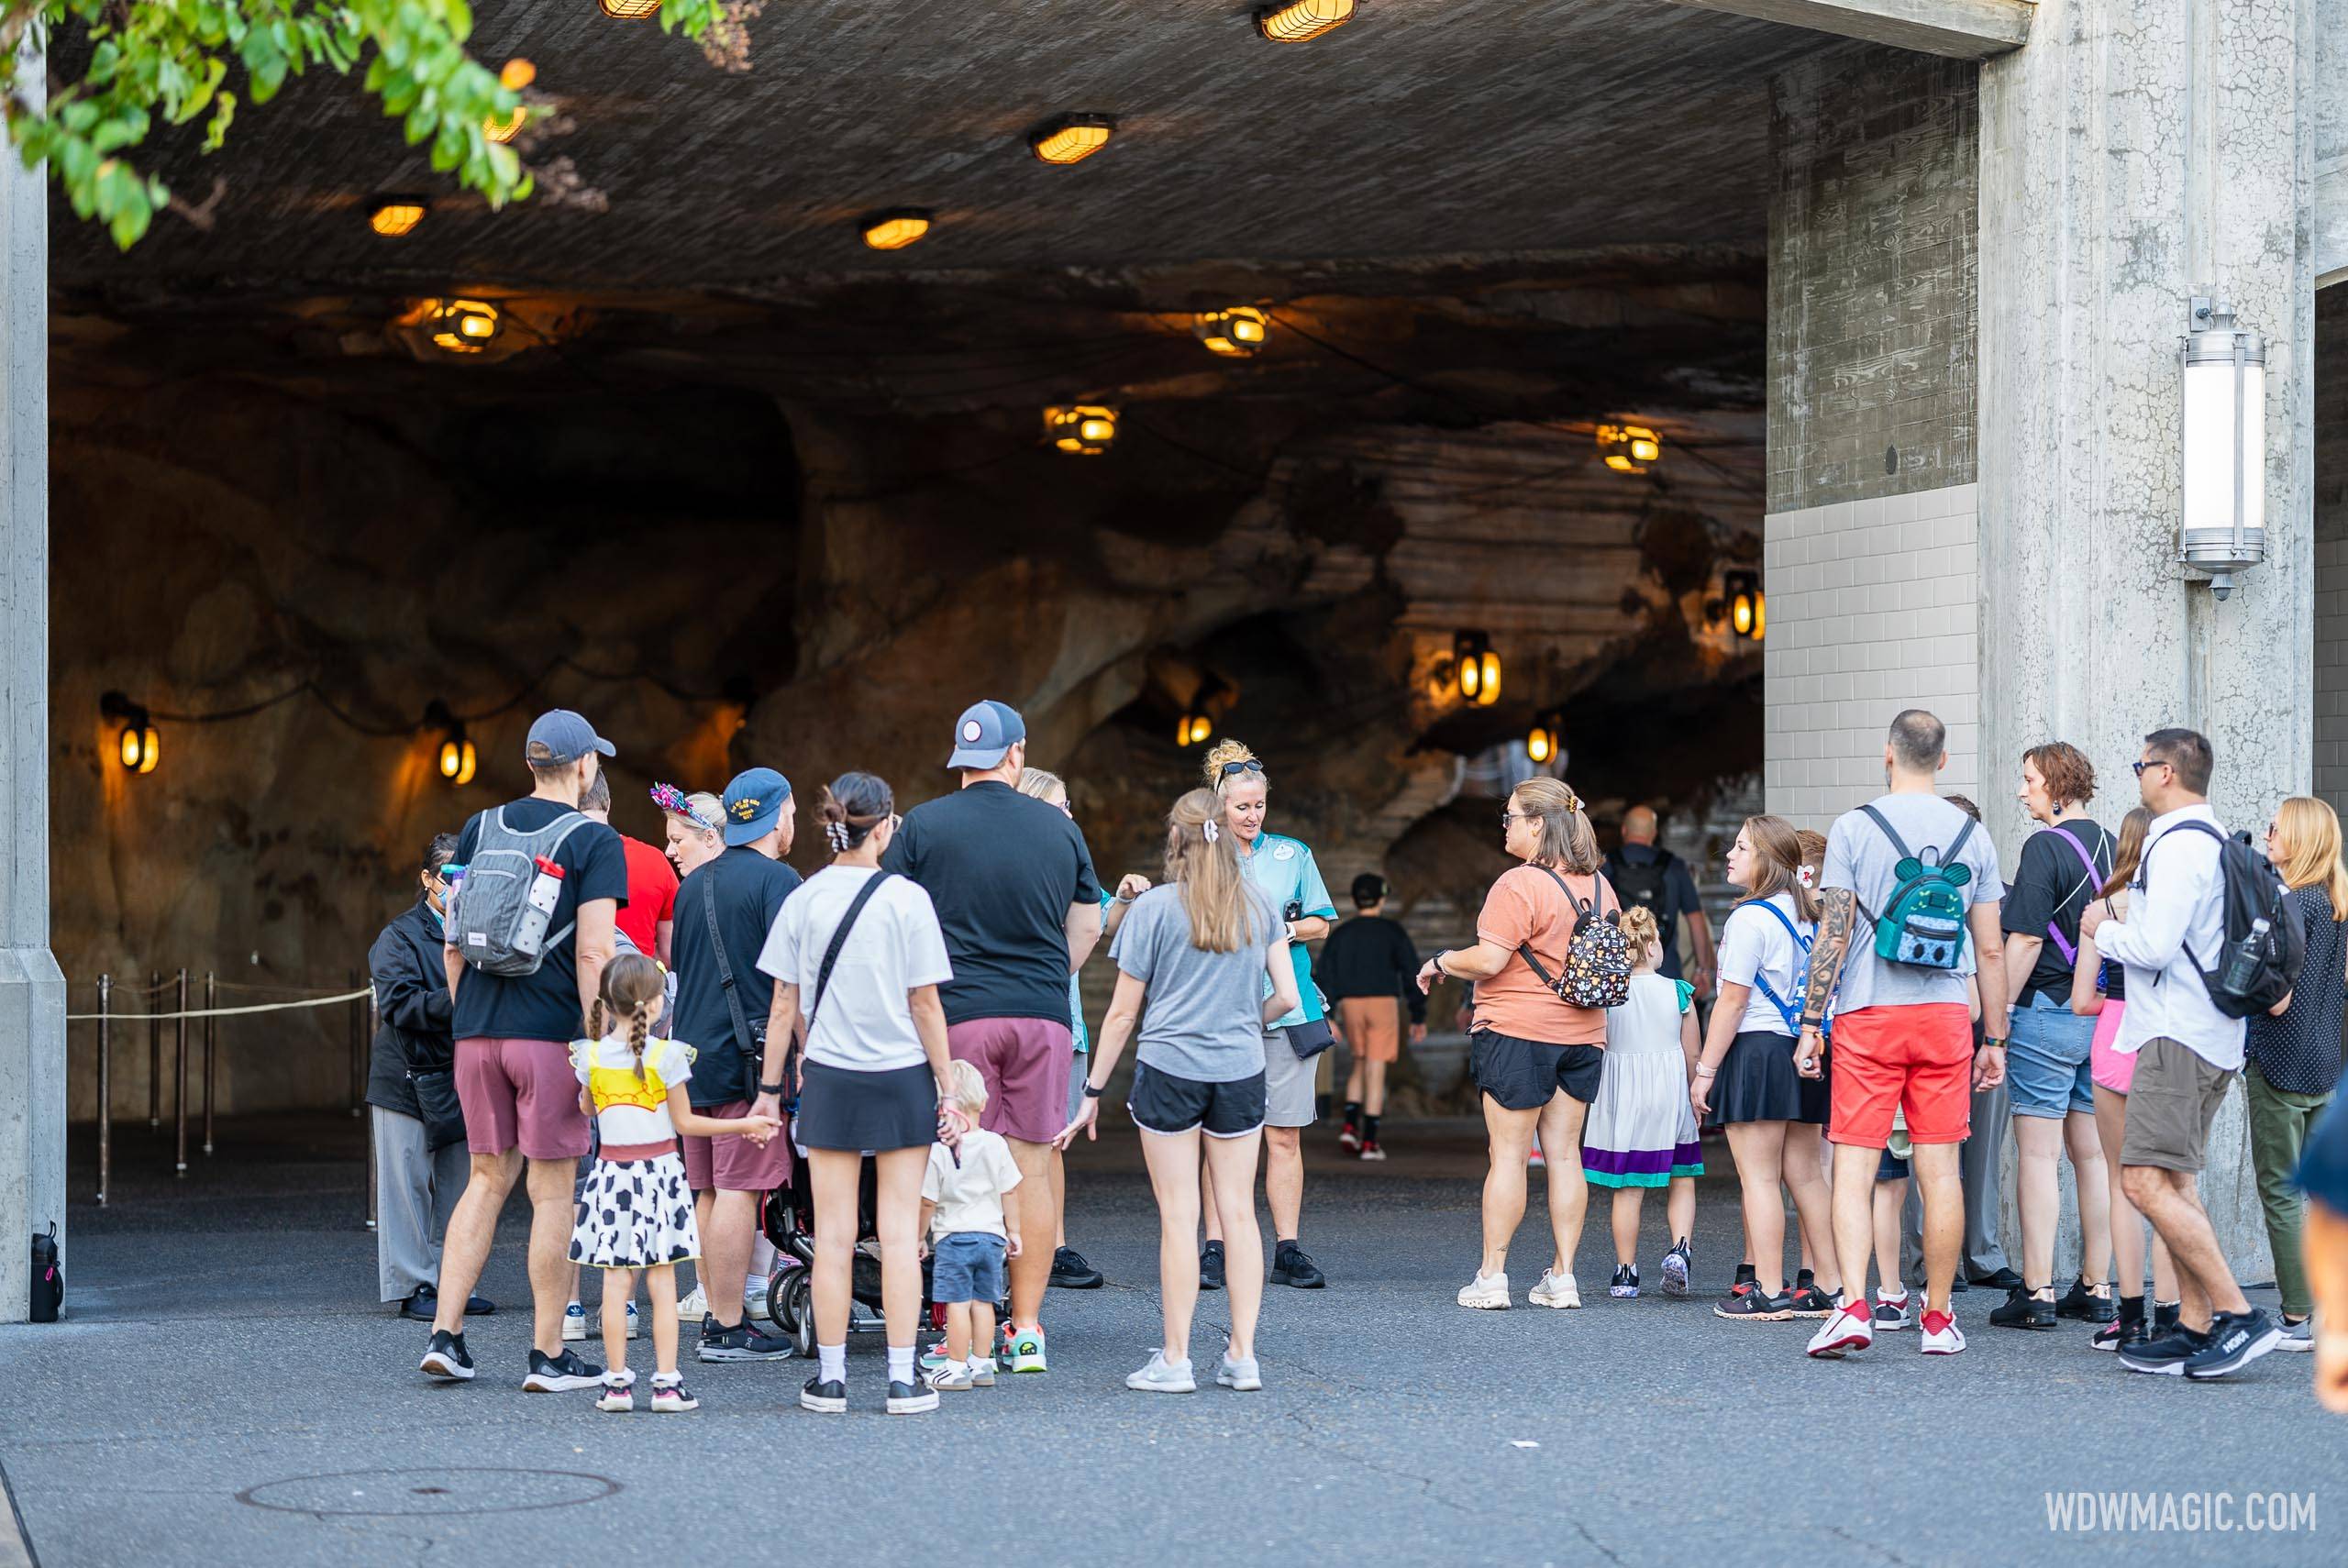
(779,1296)
(798,1308)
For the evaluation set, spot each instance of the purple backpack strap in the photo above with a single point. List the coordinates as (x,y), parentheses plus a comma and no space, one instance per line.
(2069,950)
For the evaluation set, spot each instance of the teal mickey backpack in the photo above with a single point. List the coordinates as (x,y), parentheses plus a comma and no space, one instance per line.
(1923,923)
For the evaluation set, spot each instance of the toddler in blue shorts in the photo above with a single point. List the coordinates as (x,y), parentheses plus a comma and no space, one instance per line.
(970,1236)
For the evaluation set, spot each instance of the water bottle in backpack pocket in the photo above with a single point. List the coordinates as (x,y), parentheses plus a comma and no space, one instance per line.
(2266,936)
(1923,923)
(512,884)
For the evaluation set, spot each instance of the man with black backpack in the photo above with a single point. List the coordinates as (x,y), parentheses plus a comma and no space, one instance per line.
(1651,877)
(725,911)
(1911,882)
(2209,939)
(527,940)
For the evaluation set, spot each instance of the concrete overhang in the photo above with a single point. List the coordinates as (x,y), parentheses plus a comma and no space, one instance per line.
(1961,30)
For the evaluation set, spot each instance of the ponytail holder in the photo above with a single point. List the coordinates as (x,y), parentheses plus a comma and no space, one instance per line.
(1803,873)
(837,834)
(1214,832)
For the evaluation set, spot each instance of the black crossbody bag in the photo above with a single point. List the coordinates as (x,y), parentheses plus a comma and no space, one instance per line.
(753,1036)
(832,956)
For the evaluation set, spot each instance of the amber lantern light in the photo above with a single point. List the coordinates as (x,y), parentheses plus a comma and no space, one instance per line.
(1477,668)
(1303,19)
(628,10)
(1236,333)
(1545,738)
(454,758)
(1748,610)
(456,326)
(1085,428)
(1071,138)
(1193,729)
(896,228)
(392,216)
(1629,448)
(137,746)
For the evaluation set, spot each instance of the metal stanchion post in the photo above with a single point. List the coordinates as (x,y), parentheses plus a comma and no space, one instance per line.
(154,1050)
(358,1052)
(211,1001)
(105,1084)
(179,1094)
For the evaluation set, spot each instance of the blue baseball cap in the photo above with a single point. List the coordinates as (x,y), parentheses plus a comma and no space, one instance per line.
(754,801)
(566,737)
(984,734)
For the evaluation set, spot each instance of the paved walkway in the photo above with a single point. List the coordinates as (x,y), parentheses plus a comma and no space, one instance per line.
(226,1391)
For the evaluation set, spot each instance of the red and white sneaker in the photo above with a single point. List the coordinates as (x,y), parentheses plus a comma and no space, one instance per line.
(1851,1328)
(1942,1336)
(1349,1139)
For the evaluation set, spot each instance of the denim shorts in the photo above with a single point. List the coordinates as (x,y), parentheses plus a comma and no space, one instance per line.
(968,1266)
(2047,1059)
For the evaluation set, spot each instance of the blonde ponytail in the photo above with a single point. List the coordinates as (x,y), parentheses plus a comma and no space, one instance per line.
(1202,862)
(1639,930)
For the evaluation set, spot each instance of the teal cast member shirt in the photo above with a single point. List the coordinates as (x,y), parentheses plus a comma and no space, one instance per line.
(1283,867)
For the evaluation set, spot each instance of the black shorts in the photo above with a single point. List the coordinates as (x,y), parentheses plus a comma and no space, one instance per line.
(1163,1103)
(1526,1075)
(840,1108)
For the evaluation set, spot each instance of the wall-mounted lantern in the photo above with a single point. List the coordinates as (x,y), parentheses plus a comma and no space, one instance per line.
(1071,138)
(1303,19)
(1629,448)
(896,228)
(1193,729)
(1746,608)
(453,758)
(1236,333)
(1476,668)
(1546,740)
(137,746)
(1084,428)
(2224,367)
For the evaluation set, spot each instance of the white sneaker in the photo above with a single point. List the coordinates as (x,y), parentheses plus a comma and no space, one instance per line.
(1163,1377)
(574,1322)
(1243,1375)
(1946,1339)
(694,1308)
(1485,1292)
(1555,1290)
(619,1393)
(981,1371)
(953,1377)
(634,1322)
(1851,1328)
(2298,1336)
(1894,1312)
(754,1300)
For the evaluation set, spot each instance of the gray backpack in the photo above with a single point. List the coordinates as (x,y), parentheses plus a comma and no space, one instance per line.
(497,927)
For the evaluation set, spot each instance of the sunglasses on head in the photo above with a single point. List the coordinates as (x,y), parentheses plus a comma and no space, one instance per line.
(1249,765)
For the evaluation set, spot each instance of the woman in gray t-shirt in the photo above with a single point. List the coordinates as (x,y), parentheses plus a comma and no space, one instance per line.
(1192,959)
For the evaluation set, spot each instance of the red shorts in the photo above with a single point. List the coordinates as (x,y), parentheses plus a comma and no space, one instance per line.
(734,1165)
(520,1093)
(1025,1064)
(1917,1058)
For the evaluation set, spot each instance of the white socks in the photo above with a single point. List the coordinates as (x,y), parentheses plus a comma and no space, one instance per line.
(831,1362)
(986,1363)
(901,1363)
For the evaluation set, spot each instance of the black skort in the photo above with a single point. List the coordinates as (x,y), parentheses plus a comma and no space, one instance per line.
(840,1108)
(1757,1082)
(1526,1075)
(1164,1103)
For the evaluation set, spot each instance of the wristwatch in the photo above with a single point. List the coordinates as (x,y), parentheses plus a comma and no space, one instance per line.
(1440,956)
(1814,1024)
(775,1089)
(1092,1093)
(1993,1042)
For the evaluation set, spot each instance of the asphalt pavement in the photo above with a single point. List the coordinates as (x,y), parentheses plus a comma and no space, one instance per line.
(225,1390)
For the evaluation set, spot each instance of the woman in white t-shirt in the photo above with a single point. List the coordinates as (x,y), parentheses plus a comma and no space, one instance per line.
(874,1068)
(1746,1081)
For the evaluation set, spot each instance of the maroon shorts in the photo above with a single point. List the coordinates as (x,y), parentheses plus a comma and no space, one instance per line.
(1025,1062)
(520,1093)
(734,1165)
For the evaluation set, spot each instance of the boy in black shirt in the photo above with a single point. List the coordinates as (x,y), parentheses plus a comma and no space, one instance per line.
(1367,971)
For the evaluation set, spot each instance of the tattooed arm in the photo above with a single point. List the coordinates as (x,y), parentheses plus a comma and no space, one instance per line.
(1838,908)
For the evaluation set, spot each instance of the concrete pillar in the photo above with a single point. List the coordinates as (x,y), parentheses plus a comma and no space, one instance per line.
(32,991)
(2133,154)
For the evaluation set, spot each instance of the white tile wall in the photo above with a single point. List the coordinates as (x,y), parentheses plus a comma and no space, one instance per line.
(1874,607)
(2331,672)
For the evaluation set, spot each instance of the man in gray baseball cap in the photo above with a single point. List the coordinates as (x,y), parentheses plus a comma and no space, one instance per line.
(561,735)
(984,735)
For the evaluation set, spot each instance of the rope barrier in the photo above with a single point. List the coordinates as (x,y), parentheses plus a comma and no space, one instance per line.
(217,1012)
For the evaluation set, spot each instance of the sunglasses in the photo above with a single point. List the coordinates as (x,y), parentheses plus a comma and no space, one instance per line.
(1231,770)
(2156,762)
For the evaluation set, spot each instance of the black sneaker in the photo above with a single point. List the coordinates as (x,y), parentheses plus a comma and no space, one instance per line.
(1751,1304)
(2128,1326)
(1806,1300)
(741,1343)
(2235,1340)
(2166,1355)
(826,1398)
(1211,1266)
(2085,1305)
(911,1398)
(709,1325)
(560,1374)
(2022,1310)
(446,1358)
(2166,1317)
(2004,1280)
(1745,1281)
(1070,1272)
(423,1304)
(1626,1283)
(1292,1265)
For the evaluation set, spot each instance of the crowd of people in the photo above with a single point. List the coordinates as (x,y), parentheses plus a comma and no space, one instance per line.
(902,1033)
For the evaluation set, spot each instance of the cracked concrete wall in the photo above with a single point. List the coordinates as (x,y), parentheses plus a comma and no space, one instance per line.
(2135,153)
(1872,256)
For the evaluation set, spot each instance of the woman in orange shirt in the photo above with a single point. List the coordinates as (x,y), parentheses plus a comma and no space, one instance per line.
(1536,1058)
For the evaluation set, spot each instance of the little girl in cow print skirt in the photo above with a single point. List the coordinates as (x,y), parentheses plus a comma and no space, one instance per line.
(635,1211)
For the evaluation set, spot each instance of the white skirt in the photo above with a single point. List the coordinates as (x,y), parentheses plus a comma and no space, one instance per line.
(635,1214)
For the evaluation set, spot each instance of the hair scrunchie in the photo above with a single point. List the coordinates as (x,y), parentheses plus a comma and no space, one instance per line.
(836,833)
(1213,829)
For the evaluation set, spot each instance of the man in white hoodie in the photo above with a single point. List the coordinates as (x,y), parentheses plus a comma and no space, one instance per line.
(2191,1055)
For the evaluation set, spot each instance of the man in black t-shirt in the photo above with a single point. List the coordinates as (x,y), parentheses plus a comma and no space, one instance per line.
(513,1063)
(1659,881)
(2063,865)
(744,887)
(1012,884)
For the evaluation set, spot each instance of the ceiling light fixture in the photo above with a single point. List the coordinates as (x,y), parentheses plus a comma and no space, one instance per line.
(1236,333)
(457,326)
(1071,138)
(1084,428)
(1546,738)
(1303,19)
(896,228)
(392,216)
(1629,448)
(1476,668)
(629,10)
